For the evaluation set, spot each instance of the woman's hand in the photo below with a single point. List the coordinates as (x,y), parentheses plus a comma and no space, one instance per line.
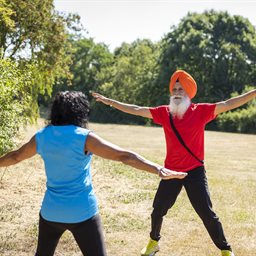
(167,174)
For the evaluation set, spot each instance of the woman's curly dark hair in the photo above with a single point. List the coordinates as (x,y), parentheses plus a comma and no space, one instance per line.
(70,108)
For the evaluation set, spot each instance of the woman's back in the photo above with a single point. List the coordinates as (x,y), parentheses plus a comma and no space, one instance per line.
(69,186)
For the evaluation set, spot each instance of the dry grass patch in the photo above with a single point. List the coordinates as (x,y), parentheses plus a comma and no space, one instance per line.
(125,197)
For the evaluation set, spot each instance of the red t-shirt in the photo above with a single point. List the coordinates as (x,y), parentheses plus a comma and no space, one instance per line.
(191,128)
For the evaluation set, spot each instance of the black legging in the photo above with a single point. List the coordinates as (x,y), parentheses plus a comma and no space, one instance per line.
(197,190)
(88,235)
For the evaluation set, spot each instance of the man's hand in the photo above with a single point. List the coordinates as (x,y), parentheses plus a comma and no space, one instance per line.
(167,174)
(101,98)
(127,108)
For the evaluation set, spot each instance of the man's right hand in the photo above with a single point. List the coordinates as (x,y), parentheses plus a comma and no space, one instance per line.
(101,98)
(124,107)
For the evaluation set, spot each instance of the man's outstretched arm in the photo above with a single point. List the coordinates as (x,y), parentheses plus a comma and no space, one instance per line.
(235,102)
(127,108)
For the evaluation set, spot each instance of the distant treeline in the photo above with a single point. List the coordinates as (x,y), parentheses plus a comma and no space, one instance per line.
(43,51)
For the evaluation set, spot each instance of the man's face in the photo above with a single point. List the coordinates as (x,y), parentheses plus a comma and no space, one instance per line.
(179,101)
(178,93)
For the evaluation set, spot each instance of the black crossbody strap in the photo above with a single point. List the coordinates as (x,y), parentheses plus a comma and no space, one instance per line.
(182,141)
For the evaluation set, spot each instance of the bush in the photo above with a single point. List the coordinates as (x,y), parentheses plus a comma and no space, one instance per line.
(243,120)
(15,101)
(240,120)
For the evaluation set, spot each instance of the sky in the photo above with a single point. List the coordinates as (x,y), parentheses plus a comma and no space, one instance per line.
(115,21)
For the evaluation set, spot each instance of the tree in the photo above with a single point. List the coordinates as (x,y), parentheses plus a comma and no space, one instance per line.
(218,49)
(6,23)
(33,32)
(91,64)
(133,73)
(34,52)
(15,101)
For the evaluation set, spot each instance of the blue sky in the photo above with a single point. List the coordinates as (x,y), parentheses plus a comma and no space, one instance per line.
(117,21)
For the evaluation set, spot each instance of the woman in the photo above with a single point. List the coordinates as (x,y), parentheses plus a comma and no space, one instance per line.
(66,146)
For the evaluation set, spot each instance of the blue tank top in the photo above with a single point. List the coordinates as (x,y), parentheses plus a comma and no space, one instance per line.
(69,196)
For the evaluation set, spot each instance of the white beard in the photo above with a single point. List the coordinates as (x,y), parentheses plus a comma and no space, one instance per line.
(179,105)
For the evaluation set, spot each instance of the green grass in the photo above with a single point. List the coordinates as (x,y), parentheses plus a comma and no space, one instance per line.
(125,198)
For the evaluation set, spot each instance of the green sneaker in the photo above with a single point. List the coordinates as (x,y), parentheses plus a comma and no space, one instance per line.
(227,253)
(151,249)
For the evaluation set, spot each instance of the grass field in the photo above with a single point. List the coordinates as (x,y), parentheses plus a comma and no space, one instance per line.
(125,197)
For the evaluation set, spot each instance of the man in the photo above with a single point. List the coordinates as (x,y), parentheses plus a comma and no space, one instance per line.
(184,154)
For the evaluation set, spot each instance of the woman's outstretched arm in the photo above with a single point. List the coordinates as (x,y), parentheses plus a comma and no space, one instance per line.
(105,149)
(24,152)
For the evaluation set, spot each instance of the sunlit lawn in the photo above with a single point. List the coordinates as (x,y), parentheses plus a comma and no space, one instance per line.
(125,197)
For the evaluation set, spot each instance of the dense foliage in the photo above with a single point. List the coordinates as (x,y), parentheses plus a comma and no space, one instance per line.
(218,49)
(132,74)
(240,120)
(33,32)
(15,101)
(34,54)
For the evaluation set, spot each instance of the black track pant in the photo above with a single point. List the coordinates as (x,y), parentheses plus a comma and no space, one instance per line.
(196,187)
(88,235)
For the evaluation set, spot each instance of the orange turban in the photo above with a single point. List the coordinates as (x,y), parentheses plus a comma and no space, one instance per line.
(187,82)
